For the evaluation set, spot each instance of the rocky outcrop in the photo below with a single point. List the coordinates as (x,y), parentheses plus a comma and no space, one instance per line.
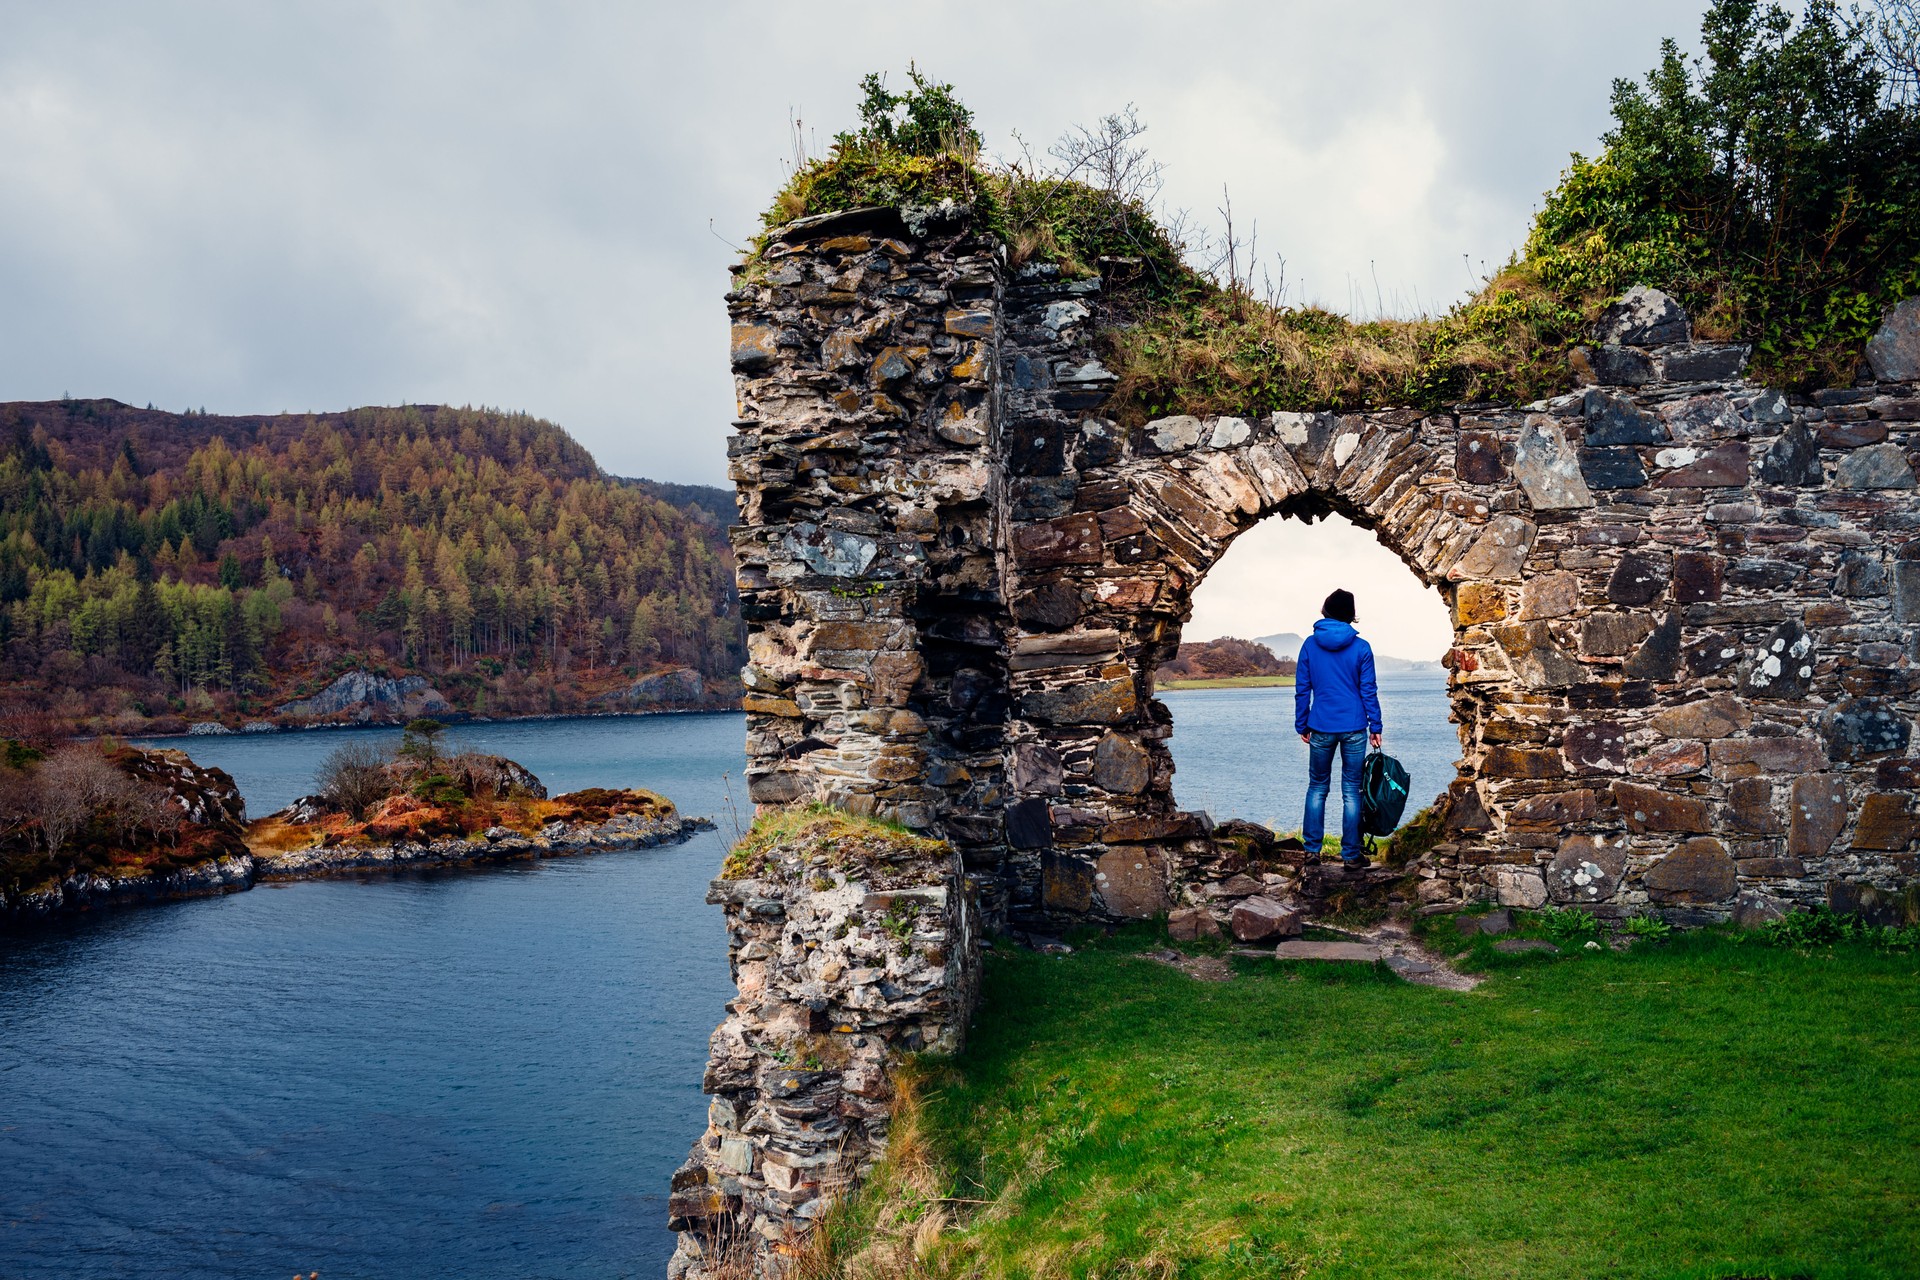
(360,696)
(680,687)
(496,844)
(228,874)
(850,945)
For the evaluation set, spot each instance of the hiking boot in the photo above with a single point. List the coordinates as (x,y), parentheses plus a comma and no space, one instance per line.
(1355,864)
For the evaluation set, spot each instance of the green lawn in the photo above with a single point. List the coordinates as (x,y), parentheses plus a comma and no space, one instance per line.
(1229,682)
(1696,1108)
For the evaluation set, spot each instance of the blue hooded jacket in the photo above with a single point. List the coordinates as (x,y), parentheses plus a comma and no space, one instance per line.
(1333,687)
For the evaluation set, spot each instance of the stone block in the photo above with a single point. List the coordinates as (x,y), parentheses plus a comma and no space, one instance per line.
(1642,317)
(1586,869)
(1894,350)
(1753,909)
(1793,459)
(1862,727)
(1651,809)
(1613,366)
(1887,823)
(1548,468)
(1175,434)
(1106,701)
(1071,539)
(1498,553)
(1520,762)
(1354,952)
(1554,810)
(1191,924)
(1478,602)
(1704,363)
(1131,882)
(1699,872)
(1817,814)
(1596,748)
(1906,591)
(1029,824)
(1698,576)
(1609,633)
(1725,467)
(1880,466)
(1051,606)
(1783,665)
(1477,460)
(1766,757)
(1675,759)
(1257,919)
(1537,657)
(1550,595)
(1719,716)
(1638,579)
(1750,807)
(1614,421)
(1493,923)
(1066,883)
(1860,574)
(1121,764)
(1519,887)
(1868,903)
(1615,467)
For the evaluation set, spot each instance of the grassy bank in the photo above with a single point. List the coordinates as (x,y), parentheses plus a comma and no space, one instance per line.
(1692,1108)
(1228,682)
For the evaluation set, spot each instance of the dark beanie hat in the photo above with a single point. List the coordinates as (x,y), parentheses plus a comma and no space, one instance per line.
(1339,606)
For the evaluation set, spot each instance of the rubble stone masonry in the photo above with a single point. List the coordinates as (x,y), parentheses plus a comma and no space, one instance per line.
(1684,666)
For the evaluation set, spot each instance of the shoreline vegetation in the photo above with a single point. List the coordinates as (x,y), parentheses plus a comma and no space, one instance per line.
(161,572)
(1227,682)
(92,825)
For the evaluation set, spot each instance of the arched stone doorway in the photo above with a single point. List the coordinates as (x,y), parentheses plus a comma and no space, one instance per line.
(1091,632)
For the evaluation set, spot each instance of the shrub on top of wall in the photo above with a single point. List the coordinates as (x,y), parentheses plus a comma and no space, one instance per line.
(1768,187)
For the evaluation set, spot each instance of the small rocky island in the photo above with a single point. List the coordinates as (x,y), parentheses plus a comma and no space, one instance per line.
(96,824)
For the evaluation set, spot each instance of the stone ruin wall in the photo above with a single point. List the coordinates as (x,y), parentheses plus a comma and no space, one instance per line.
(840,970)
(1684,668)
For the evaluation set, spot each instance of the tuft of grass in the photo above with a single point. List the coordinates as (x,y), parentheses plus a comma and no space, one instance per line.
(1701,1108)
(800,833)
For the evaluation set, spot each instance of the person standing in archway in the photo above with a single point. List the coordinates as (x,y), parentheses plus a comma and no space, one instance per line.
(1336,704)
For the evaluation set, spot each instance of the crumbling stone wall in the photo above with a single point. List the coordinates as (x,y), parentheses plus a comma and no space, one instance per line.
(1684,662)
(842,964)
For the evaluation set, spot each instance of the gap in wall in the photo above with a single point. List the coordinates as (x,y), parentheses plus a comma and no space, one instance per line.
(1235,751)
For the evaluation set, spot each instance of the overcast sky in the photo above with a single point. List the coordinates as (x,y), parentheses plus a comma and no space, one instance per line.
(258,207)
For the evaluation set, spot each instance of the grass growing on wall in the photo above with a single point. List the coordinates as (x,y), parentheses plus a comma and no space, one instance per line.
(1769,186)
(1693,1108)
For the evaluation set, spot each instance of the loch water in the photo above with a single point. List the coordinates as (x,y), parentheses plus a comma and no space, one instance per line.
(488,1074)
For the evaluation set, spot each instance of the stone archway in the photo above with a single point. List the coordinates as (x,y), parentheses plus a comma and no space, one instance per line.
(1100,599)
(1684,660)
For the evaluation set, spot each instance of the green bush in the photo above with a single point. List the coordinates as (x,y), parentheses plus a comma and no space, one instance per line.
(1771,187)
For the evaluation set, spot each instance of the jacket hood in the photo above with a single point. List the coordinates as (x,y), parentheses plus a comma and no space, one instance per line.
(1333,635)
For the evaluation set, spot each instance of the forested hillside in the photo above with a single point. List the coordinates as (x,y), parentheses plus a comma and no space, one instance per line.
(159,568)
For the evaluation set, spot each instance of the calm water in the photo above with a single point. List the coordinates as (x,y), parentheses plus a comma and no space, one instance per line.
(475,1074)
(1236,756)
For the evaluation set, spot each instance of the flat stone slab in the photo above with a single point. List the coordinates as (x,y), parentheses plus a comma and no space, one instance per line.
(1298,949)
(1409,967)
(1518,946)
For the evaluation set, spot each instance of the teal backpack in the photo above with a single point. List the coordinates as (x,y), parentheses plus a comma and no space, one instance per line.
(1383,794)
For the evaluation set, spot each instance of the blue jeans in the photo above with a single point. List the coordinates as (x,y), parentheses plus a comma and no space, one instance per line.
(1353,751)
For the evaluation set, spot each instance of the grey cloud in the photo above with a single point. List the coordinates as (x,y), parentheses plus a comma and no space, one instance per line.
(307,206)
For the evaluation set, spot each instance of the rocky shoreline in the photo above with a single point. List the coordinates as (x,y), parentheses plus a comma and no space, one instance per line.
(240,872)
